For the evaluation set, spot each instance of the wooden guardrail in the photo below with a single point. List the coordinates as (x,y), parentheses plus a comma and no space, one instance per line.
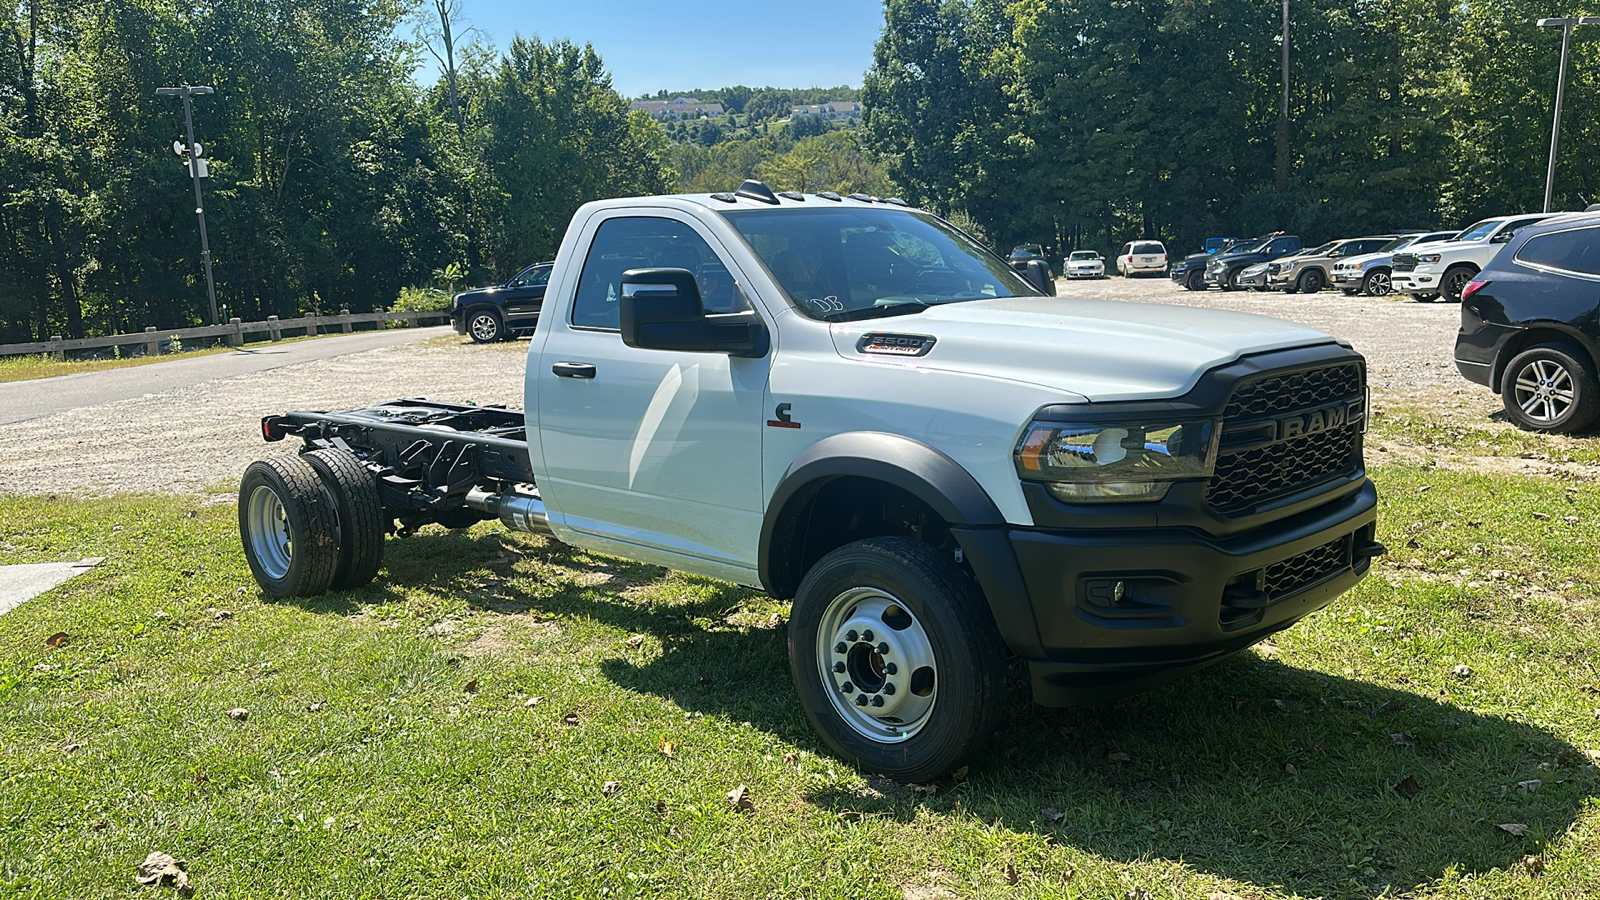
(151,339)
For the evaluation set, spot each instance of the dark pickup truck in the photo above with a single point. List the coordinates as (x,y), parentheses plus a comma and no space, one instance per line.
(503,311)
(1223,269)
(1191,270)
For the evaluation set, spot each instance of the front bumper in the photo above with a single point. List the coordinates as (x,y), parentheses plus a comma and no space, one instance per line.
(1086,273)
(1417,281)
(1347,278)
(1186,599)
(1257,280)
(458,321)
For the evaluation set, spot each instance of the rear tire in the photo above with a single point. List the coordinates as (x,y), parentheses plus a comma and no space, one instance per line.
(1425,298)
(1548,389)
(919,683)
(361,521)
(289,527)
(485,326)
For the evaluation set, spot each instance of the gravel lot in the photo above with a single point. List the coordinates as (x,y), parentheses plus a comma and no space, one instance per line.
(200,437)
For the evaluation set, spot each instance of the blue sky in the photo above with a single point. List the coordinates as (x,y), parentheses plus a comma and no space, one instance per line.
(649,46)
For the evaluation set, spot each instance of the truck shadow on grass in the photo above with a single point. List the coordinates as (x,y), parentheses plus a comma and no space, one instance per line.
(1252,770)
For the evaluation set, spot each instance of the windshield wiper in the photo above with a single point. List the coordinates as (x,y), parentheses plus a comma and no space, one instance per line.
(900,308)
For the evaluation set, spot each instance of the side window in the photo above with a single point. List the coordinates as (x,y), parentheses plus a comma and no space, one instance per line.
(646,242)
(540,276)
(1575,251)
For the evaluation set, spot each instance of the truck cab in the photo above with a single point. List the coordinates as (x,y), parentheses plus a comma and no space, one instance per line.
(1445,269)
(848,403)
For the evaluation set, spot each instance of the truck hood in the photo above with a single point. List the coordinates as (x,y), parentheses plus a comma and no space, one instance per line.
(1445,247)
(1098,350)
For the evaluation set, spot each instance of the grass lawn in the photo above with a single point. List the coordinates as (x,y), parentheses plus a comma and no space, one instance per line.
(450,731)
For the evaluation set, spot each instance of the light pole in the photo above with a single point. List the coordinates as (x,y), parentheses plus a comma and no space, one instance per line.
(1561,89)
(195,164)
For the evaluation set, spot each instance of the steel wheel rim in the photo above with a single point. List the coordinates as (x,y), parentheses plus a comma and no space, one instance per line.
(1378,284)
(270,541)
(1545,391)
(877,665)
(484,326)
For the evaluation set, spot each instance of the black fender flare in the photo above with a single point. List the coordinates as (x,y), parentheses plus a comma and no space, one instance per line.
(932,477)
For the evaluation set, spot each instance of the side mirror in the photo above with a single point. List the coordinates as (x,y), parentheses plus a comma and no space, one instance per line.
(660,309)
(1037,273)
(1504,237)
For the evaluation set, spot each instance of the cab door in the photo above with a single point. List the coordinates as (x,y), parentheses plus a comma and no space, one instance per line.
(524,296)
(652,448)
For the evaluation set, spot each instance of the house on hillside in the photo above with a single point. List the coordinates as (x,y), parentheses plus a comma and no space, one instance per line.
(833,109)
(677,108)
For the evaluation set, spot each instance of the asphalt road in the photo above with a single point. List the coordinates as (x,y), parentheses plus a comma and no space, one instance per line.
(22,401)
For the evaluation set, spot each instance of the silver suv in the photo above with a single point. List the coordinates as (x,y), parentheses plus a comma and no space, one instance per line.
(1307,272)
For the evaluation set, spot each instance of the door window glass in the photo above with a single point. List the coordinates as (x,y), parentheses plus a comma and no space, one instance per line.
(647,242)
(1577,251)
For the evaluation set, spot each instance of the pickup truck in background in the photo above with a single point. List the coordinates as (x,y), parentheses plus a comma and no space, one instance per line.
(1223,269)
(849,403)
(1445,269)
(503,311)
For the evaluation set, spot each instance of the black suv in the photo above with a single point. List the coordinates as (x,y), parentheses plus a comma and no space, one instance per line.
(1528,326)
(503,311)
(1191,270)
(1224,268)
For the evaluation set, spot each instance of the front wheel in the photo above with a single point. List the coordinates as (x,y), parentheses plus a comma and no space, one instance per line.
(1425,298)
(1310,282)
(895,657)
(1195,281)
(1547,388)
(1455,281)
(484,326)
(1230,281)
(1376,284)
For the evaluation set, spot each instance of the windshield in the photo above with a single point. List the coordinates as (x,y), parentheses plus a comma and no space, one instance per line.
(1256,247)
(1399,242)
(1318,251)
(1084,256)
(861,263)
(1479,231)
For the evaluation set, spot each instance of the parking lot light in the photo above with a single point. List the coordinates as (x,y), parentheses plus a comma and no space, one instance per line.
(1566,26)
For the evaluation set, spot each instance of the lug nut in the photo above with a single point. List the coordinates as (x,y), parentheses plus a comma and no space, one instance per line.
(877,701)
(851,636)
(883,648)
(840,647)
(861,699)
(890,668)
(889,689)
(867,635)
(847,687)
(838,667)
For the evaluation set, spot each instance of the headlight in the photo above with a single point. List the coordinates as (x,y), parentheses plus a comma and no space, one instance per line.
(1429,258)
(1081,462)
(1287,266)
(1355,267)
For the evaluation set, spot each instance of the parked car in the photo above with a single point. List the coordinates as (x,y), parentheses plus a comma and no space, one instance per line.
(1254,278)
(1528,327)
(1191,270)
(1085,264)
(1444,269)
(503,311)
(1022,253)
(1369,273)
(1307,272)
(1224,268)
(1142,257)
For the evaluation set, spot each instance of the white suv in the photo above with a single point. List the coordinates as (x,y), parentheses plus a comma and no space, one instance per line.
(1144,257)
(1443,270)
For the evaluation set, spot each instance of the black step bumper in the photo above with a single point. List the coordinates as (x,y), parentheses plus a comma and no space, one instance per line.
(1113,611)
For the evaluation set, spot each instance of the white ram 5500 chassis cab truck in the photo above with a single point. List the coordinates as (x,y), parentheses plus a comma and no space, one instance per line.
(850,403)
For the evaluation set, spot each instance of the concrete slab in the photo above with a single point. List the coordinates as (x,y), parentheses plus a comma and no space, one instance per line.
(21,583)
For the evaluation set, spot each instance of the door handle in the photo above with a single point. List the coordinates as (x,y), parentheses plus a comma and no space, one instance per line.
(573,370)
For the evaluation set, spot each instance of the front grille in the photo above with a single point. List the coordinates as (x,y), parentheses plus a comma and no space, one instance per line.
(1247,478)
(1296,572)
(1403,262)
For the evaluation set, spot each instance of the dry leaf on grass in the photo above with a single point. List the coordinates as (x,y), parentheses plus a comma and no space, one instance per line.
(791,757)
(239,714)
(1516,828)
(929,789)
(1219,895)
(1011,874)
(611,788)
(661,807)
(1289,769)
(57,639)
(159,868)
(222,614)
(46,667)
(1531,785)
(1408,787)
(72,747)
(1052,815)
(1462,670)
(959,774)
(739,799)
(1533,864)
(634,641)
(1403,739)
(1118,757)
(570,718)
(668,748)
(314,706)
(470,687)
(531,702)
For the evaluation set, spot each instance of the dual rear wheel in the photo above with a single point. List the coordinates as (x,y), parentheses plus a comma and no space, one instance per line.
(310,523)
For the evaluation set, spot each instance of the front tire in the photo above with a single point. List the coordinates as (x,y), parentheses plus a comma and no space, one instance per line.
(484,326)
(1231,280)
(1546,388)
(289,527)
(1377,283)
(1455,280)
(1309,282)
(1425,298)
(897,662)
(1194,281)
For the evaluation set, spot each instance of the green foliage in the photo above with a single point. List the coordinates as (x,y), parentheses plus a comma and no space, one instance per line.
(421,299)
